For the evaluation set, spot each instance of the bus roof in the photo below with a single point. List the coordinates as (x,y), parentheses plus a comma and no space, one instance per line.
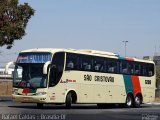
(87,52)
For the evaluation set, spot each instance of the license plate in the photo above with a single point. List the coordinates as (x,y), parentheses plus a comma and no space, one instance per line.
(26,99)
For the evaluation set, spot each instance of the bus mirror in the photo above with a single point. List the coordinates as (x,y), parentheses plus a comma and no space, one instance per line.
(46,66)
(8,65)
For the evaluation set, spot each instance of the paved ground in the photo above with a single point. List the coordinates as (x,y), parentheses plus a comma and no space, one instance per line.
(12,111)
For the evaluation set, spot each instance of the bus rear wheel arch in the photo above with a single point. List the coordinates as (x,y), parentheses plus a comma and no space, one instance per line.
(71,98)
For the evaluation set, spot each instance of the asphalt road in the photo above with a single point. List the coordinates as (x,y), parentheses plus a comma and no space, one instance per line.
(12,111)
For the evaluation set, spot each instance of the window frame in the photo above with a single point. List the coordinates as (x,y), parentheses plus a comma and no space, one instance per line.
(130,65)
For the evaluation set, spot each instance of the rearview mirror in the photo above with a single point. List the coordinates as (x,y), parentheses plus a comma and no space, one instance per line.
(45,67)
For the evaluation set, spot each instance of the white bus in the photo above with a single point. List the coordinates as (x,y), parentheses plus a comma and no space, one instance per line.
(69,76)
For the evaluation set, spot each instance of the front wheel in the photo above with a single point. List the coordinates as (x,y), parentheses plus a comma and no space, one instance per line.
(68,100)
(137,101)
(129,101)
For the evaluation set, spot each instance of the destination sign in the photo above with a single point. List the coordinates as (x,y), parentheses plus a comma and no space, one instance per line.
(33,57)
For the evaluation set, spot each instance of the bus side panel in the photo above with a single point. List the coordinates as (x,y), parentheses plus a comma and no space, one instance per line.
(56,94)
(148,88)
(116,92)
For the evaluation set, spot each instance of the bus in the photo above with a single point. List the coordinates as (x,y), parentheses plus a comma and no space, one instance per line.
(70,76)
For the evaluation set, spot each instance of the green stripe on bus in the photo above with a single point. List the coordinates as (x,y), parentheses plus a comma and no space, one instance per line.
(121,58)
(128,83)
(32,90)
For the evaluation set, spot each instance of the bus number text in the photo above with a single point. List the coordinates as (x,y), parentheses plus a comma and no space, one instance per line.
(147,81)
(87,77)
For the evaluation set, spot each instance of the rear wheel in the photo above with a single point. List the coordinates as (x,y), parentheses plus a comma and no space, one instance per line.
(137,101)
(39,105)
(69,101)
(129,101)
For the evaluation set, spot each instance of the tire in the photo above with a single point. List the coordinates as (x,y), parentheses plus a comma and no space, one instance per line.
(69,101)
(39,105)
(129,101)
(137,101)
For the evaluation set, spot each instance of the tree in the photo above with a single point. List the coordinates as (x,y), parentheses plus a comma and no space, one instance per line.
(13,21)
(158,76)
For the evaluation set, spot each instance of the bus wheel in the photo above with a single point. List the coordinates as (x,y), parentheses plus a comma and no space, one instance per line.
(39,105)
(137,101)
(129,101)
(68,100)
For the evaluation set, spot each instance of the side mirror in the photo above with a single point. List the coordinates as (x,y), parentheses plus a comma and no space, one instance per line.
(8,65)
(46,66)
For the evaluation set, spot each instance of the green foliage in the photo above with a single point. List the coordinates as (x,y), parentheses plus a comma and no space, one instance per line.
(13,21)
(158,74)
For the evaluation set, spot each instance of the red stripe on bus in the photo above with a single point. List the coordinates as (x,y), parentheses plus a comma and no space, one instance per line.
(130,59)
(26,90)
(136,85)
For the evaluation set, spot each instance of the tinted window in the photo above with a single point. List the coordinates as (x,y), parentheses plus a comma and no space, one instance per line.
(109,65)
(72,61)
(148,70)
(124,67)
(130,68)
(99,64)
(112,66)
(56,68)
(86,62)
(137,69)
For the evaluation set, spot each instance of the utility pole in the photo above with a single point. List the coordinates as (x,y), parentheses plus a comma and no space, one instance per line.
(125,45)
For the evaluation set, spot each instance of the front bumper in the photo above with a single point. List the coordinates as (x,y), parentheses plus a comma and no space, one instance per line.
(30,99)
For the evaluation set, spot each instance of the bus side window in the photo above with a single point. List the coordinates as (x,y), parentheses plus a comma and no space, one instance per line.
(144,70)
(112,66)
(98,64)
(137,69)
(86,63)
(111,69)
(71,61)
(130,68)
(88,67)
(150,73)
(97,67)
(56,68)
(70,65)
(123,68)
(149,70)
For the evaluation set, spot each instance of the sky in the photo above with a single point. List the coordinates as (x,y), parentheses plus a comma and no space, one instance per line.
(91,24)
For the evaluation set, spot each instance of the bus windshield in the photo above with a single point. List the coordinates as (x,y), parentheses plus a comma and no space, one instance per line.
(32,76)
(31,65)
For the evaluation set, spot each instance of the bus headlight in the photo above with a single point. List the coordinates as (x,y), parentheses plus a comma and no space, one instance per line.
(41,93)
